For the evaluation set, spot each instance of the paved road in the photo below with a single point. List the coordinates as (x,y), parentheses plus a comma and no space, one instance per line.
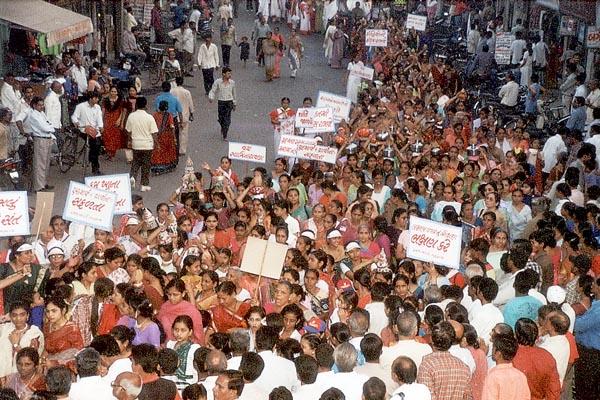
(250,122)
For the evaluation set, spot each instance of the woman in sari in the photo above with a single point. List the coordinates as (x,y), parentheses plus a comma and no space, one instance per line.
(15,335)
(28,379)
(62,337)
(280,44)
(270,49)
(337,52)
(176,306)
(208,296)
(304,14)
(229,313)
(164,155)
(114,112)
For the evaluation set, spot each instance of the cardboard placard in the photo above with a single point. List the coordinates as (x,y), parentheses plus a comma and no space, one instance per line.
(263,258)
(118,184)
(14,214)
(434,242)
(89,206)
(307,148)
(315,120)
(376,37)
(44,204)
(247,152)
(418,22)
(362,72)
(340,105)
(502,52)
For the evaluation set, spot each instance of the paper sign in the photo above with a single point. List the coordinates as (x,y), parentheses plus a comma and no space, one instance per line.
(418,22)
(340,105)
(434,242)
(307,148)
(502,52)
(118,184)
(362,72)
(264,258)
(286,126)
(247,152)
(14,214)
(89,206)
(44,204)
(593,38)
(376,37)
(315,120)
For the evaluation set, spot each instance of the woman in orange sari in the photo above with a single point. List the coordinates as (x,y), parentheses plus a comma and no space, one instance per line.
(62,338)
(230,312)
(164,155)
(280,44)
(114,111)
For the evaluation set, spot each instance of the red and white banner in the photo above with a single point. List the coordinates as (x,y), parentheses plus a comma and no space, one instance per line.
(307,148)
(14,214)
(118,184)
(362,72)
(376,37)
(89,206)
(340,105)
(434,242)
(315,120)
(247,152)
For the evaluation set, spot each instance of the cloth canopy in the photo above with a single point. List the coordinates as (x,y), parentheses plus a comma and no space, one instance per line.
(59,24)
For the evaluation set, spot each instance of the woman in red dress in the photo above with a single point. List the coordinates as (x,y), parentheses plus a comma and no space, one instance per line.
(229,314)
(62,338)
(114,110)
(164,155)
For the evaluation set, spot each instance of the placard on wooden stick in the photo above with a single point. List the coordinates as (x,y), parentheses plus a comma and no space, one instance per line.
(44,204)
(263,258)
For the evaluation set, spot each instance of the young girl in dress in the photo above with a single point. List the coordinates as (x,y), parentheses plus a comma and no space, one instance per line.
(183,333)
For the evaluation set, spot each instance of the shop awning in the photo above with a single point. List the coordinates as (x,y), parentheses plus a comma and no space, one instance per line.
(59,24)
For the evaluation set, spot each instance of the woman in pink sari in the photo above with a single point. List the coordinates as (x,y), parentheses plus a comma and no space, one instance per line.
(280,43)
(176,306)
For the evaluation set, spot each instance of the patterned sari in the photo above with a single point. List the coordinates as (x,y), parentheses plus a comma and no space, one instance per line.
(164,155)
(224,319)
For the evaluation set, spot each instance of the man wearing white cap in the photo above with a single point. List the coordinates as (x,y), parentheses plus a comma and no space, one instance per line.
(557,294)
(21,273)
(334,245)
(353,261)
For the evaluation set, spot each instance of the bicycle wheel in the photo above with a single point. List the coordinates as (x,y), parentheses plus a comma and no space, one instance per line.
(68,153)
(154,74)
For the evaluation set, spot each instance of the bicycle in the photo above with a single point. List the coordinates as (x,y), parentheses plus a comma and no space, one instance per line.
(72,148)
(155,61)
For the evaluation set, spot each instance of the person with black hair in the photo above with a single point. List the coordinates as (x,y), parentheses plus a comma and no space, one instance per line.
(145,364)
(556,325)
(488,315)
(87,117)
(404,373)
(168,362)
(89,381)
(535,362)
(224,91)
(252,367)
(112,359)
(376,308)
(266,338)
(371,346)
(58,381)
(229,385)
(307,370)
(504,381)
(522,305)
(142,131)
(195,391)
(445,375)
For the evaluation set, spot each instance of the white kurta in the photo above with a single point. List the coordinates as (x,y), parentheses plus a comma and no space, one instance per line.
(328,43)
(353,82)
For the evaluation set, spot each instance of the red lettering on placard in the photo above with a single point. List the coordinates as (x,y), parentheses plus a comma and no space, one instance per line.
(8,203)
(81,203)
(11,219)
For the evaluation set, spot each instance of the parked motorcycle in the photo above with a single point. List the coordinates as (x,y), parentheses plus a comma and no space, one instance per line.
(10,176)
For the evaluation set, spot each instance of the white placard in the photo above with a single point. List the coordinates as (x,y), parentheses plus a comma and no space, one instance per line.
(376,37)
(307,148)
(247,152)
(362,72)
(340,105)
(119,184)
(434,242)
(89,206)
(593,38)
(502,52)
(419,22)
(315,120)
(14,214)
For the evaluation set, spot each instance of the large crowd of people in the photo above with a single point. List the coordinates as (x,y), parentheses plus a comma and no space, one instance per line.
(160,308)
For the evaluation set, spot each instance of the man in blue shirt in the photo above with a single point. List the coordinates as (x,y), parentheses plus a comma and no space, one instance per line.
(175,108)
(578,116)
(179,14)
(587,335)
(523,305)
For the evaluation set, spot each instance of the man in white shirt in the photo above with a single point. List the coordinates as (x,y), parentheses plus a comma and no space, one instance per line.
(208,61)
(540,58)
(42,133)
(87,117)
(592,101)
(556,325)
(307,370)
(346,379)
(89,381)
(377,318)
(281,371)
(252,367)
(79,74)
(53,106)
(216,364)
(187,114)
(406,329)
(595,135)
(371,347)
(195,16)
(516,49)
(488,315)
(404,373)
(184,44)
(552,148)
(130,21)
(462,353)
(509,93)
(143,130)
